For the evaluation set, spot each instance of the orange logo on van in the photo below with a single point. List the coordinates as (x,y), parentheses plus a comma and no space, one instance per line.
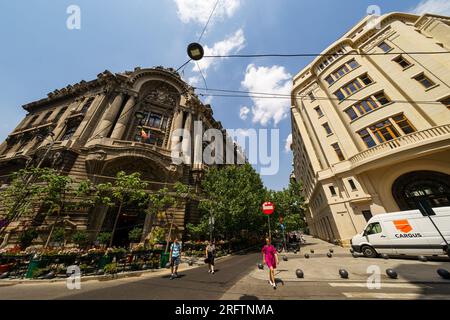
(403,225)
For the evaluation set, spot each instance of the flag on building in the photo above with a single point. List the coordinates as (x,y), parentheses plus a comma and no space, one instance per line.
(144,135)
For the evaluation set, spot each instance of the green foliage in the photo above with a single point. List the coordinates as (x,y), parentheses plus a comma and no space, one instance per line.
(290,204)
(19,195)
(110,268)
(104,237)
(80,238)
(27,237)
(135,235)
(197,232)
(58,235)
(233,195)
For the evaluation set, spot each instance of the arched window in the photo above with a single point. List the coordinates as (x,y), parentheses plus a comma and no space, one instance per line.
(430,185)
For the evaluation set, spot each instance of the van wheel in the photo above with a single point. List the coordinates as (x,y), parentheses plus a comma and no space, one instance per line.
(369,252)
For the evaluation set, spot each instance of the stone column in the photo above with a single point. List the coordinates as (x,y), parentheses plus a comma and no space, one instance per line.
(177,124)
(125,117)
(109,115)
(186,143)
(198,143)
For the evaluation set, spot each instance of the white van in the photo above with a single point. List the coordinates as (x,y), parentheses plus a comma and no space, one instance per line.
(404,233)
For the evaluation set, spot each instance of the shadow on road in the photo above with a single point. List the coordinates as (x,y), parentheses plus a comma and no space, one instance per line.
(248,297)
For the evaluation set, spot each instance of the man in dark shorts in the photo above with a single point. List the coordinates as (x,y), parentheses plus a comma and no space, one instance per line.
(175,257)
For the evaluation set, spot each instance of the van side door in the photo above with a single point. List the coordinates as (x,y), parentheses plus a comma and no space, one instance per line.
(378,238)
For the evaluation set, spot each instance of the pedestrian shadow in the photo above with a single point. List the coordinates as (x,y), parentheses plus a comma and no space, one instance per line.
(169,276)
(248,297)
(278,280)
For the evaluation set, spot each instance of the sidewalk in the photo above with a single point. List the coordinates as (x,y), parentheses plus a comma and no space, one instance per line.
(184,266)
(319,267)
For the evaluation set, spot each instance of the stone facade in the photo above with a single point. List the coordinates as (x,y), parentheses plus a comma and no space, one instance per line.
(98,134)
(371,123)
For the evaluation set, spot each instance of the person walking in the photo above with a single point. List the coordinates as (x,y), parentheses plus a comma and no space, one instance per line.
(210,255)
(270,258)
(175,257)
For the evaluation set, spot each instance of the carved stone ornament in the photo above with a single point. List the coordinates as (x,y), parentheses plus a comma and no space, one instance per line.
(161,95)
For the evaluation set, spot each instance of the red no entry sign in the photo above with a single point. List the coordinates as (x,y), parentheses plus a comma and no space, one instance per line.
(268,208)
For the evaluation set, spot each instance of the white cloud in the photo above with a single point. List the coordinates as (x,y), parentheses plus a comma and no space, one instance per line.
(232,44)
(243,113)
(199,10)
(287,146)
(275,80)
(441,7)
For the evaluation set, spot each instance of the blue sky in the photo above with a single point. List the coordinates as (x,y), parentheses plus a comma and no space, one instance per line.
(40,54)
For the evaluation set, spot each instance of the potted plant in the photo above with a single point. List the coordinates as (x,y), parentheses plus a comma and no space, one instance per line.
(80,238)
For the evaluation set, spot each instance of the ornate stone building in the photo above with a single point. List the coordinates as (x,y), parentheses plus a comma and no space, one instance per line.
(124,121)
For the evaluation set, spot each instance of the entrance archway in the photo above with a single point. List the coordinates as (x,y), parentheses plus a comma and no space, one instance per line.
(434,186)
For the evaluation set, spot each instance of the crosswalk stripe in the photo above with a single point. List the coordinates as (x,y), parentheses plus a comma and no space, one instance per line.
(397,296)
(383,285)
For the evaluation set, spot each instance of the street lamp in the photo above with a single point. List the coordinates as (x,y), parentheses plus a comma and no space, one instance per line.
(195,51)
(139,115)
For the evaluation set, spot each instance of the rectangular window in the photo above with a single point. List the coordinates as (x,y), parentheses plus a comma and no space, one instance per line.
(367,215)
(366,79)
(332,191)
(382,98)
(353,64)
(404,124)
(351,113)
(319,111)
(47,115)
(384,131)
(338,151)
(339,95)
(352,184)
(329,79)
(366,137)
(154,120)
(402,62)
(311,96)
(366,105)
(60,114)
(87,105)
(384,46)
(426,82)
(327,128)
(70,131)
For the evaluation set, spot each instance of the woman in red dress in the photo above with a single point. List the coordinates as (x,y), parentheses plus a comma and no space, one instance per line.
(270,258)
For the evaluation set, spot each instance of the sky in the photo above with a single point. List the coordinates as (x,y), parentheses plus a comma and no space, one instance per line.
(39,53)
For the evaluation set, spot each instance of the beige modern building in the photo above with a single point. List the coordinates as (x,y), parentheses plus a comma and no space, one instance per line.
(371,123)
(117,122)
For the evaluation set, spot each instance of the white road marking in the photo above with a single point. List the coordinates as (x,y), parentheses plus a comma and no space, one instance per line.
(383,285)
(397,296)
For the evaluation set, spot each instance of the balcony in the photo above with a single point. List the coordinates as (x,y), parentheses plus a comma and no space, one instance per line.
(412,140)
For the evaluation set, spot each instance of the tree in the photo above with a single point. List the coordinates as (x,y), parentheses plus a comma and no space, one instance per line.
(233,196)
(20,195)
(125,190)
(53,191)
(162,200)
(289,204)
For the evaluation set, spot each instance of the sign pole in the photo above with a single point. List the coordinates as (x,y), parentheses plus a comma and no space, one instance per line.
(270,233)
